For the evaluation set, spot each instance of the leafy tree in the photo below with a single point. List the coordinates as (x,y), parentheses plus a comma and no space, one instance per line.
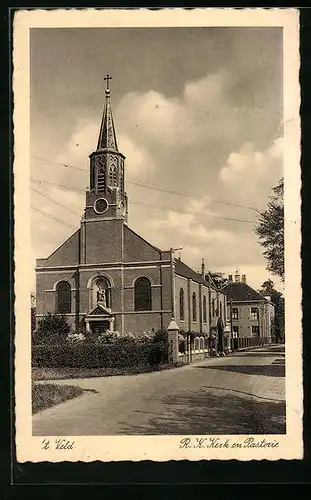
(217,279)
(52,329)
(270,231)
(267,289)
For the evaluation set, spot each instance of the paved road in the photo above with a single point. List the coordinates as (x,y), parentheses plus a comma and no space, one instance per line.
(239,394)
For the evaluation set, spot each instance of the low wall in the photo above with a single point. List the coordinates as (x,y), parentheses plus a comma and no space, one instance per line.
(190,357)
(244,342)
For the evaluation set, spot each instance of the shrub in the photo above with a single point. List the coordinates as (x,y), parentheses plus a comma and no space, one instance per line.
(86,355)
(158,354)
(160,336)
(52,329)
(75,338)
(108,337)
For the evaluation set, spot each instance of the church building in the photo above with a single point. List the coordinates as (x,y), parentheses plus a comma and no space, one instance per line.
(106,276)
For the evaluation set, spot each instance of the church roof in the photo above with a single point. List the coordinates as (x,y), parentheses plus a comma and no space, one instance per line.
(241,292)
(107,135)
(183,270)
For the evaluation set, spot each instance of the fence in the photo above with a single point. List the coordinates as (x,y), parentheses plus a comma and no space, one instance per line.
(243,342)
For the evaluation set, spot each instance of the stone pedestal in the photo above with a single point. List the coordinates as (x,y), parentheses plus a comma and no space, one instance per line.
(173,344)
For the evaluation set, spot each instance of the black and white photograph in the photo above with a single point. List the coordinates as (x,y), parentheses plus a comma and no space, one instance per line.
(157,209)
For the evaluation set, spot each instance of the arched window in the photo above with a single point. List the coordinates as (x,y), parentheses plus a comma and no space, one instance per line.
(196,343)
(102,292)
(182,305)
(194,307)
(201,343)
(113,174)
(63,297)
(204,309)
(142,294)
(220,310)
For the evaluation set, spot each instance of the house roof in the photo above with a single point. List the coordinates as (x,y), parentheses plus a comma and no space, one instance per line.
(241,292)
(183,270)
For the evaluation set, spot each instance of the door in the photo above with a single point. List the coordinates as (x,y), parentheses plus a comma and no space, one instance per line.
(99,326)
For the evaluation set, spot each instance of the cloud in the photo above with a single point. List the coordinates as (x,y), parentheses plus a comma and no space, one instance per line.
(252,173)
(202,112)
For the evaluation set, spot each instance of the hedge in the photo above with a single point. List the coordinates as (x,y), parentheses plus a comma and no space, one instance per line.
(99,356)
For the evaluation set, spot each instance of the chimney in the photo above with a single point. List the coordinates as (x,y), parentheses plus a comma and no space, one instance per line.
(243,278)
(230,277)
(203,269)
(237,277)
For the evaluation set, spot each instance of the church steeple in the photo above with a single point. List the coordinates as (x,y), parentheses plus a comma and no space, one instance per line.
(106,197)
(107,135)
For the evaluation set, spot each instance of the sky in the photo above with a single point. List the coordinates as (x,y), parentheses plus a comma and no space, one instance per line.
(197,112)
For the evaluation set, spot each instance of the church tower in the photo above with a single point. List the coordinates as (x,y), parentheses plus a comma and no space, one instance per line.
(106,198)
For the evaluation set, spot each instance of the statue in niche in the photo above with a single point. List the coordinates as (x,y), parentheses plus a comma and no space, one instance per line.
(102,295)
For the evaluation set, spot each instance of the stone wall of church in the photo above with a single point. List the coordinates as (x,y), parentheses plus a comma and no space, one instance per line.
(137,249)
(190,287)
(46,290)
(103,241)
(67,253)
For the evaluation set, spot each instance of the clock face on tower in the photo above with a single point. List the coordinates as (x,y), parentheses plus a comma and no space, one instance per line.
(101,205)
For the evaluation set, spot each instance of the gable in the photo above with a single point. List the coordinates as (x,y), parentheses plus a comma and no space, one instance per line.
(99,310)
(137,248)
(67,253)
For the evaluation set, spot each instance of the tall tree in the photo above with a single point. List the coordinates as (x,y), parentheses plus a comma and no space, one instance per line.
(270,230)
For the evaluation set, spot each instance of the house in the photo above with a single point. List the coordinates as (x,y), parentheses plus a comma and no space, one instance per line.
(106,276)
(249,313)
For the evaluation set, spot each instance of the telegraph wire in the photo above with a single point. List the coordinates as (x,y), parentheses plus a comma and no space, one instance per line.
(189,212)
(146,186)
(59,163)
(134,202)
(52,217)
(68,188)
(54,201)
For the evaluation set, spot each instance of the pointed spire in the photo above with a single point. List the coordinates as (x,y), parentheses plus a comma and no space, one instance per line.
(107,135)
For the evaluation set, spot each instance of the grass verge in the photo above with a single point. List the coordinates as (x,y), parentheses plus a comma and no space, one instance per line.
(47,395)
(44,373)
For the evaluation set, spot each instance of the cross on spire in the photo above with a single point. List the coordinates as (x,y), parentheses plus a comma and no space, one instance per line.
(107,78)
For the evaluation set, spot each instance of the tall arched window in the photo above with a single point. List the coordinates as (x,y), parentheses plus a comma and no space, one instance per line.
(220,310)
(204,310)
(182,305)
(63,297)
(142,294)
(194,307)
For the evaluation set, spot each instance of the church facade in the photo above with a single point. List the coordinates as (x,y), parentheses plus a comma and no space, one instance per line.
(106,276)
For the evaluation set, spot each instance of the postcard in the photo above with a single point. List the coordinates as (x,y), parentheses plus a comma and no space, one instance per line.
(157,235)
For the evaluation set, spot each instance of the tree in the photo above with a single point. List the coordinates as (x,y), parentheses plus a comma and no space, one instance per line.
(52,329)
(216,279)
(270,231)
(267,289)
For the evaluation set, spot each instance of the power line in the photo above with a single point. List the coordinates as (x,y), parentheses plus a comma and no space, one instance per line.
(52,217)
(134,202)
(188,212)
(191,196)
(38,181)
(146,186)
(54,201)
(58,163)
